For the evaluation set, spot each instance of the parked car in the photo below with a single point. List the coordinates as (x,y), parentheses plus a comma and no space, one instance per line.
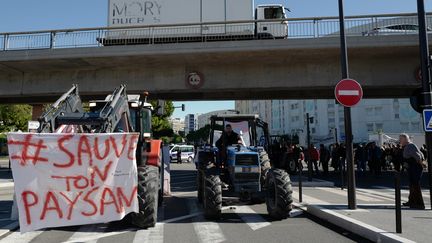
(187,153)
(394,30)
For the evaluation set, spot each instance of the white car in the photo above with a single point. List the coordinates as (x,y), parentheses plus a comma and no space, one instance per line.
(394,30)
(187,153)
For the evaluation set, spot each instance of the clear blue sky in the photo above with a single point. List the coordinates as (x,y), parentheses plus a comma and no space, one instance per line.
(23,15)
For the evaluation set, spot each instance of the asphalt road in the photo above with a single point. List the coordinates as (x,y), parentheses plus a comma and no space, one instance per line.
(181,220)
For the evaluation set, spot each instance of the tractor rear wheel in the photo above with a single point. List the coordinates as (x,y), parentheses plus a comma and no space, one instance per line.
(278,194)
(148,197)
(212,196)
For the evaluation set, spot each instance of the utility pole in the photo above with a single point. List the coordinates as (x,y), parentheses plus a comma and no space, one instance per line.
(426,83)
(310,172)
(347,114)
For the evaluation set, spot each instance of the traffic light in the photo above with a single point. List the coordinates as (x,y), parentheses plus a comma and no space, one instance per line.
(183,106)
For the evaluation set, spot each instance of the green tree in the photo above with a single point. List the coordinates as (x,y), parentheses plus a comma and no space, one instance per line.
(160,124)
(200,135)
(14,117)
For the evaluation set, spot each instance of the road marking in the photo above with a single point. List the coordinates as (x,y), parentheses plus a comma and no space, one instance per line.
(425,193)
(7,228)
(7,185)
(192,215)
(344,193)
(349,92)
(251,218)
(374,193)
(309,200)
(208,231)
(89,234)
(154,235)
(176,194)
(16,237)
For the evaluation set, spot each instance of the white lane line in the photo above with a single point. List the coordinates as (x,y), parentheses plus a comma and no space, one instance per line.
(7,185)
(377,194)
(192,215)
(309,199)
(89,234)
(251,218)
(208,231)
(7,228)
(153,235)
(17,237)
(391,191)
(175,194)
(344,193)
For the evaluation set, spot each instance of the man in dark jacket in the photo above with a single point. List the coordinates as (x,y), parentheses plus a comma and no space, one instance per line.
(324,158)
(413,158)
(228,138)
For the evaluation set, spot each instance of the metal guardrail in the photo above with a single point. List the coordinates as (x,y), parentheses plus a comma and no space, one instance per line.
(363,25)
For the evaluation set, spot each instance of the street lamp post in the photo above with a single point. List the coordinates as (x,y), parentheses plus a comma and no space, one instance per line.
(426,82)
(347,114)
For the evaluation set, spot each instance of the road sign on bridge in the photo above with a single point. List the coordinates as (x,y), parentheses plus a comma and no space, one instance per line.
(348,92)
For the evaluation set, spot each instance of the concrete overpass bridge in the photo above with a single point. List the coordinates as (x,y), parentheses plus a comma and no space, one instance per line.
(301,67)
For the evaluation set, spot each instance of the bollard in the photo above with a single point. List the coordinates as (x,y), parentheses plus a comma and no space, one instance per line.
(398,202)
(300,181)
(342,176)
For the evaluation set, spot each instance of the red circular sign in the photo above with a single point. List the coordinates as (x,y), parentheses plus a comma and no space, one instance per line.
(348,92)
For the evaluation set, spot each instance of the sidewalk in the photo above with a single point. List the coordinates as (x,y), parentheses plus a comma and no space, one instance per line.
(375,217)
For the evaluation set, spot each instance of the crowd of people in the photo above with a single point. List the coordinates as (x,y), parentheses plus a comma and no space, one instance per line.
(367,156)
(397,156)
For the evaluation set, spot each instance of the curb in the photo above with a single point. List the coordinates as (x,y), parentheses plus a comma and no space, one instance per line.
(355,226)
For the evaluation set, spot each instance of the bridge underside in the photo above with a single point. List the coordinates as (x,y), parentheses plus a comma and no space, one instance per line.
(267,69)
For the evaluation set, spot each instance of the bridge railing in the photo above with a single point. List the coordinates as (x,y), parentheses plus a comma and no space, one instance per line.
(365,25)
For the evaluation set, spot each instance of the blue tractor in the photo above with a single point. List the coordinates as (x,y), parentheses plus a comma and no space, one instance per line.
(235,164)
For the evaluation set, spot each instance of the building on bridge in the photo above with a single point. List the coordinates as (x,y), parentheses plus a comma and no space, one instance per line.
(371,116)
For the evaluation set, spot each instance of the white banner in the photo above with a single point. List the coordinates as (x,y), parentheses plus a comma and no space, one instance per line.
(73,179)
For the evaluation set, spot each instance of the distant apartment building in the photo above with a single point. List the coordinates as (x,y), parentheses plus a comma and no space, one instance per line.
(371,116)
(191,123)
(261,107)
(177,124)
(204,119)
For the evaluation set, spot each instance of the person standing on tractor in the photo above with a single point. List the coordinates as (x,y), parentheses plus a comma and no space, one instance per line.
(228,138)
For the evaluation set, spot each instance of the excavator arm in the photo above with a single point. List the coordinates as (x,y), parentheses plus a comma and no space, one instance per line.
(69,102)
(113,116)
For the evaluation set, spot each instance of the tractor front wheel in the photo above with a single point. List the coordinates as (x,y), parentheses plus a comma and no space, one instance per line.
(148,197)
(212,196)
(278,194)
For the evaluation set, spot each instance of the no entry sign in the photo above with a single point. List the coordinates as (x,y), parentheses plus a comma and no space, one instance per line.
(348,92)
